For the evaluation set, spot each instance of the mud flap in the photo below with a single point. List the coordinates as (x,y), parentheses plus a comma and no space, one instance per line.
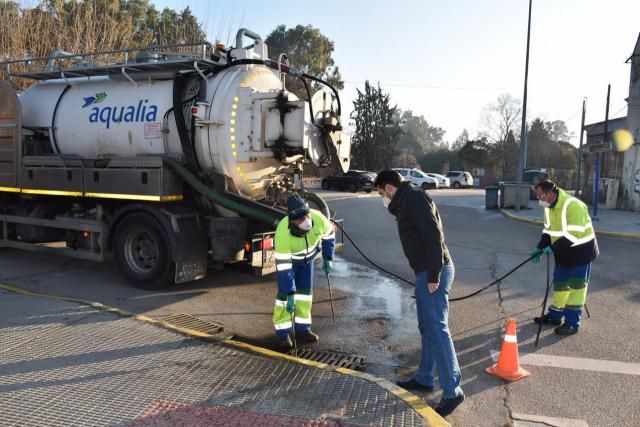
(189,246)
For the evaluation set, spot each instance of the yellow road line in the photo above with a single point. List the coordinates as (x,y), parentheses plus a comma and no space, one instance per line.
(416,403)
(10,189)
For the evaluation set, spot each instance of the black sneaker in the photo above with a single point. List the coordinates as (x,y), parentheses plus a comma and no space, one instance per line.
(412,384)
(306,336)
(284,342)
(447,406)
(566,330)
(547,320)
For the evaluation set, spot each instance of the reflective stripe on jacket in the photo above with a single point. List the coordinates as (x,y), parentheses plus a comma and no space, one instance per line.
(569,218)
(295,251)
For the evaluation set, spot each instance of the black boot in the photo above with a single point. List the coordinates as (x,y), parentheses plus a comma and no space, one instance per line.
(447,406)
(284,342)
(547,320)
(306,336)
(412,384)
(566,330)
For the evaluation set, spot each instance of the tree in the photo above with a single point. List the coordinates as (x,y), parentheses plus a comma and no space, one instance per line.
(500,121)
(461,140)
(418,135)
(308,50)
(476,153)
(89,26)
(435,160)
(374,143)
(548,146)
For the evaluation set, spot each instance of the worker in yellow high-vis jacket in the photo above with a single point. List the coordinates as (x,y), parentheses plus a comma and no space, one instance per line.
(299,238)
(569,235)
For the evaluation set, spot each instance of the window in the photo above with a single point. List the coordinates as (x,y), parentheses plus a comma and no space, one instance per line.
(416,174)
(452,174)
(402,172)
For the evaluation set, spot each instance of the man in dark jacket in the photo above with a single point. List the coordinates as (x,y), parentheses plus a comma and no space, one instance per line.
(422,238)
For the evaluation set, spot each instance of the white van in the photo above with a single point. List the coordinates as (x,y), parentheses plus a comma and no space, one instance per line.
(417,177)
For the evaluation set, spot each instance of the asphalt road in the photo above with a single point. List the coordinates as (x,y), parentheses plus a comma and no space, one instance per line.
(375,315)
(484,246)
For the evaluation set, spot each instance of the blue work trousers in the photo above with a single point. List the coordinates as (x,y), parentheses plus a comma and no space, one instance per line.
(438,352)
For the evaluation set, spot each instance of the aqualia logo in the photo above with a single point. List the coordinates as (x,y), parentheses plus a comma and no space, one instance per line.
(143,112)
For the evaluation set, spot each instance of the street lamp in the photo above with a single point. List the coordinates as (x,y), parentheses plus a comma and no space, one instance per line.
(522,163)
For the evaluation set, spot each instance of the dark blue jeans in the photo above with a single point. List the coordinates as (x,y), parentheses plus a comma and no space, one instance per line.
(437,346)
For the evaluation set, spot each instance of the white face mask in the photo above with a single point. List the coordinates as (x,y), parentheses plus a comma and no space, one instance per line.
(544,204)
(385,199)
(306,224)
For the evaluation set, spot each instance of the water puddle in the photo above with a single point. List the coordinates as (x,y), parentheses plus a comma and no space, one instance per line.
(371,287)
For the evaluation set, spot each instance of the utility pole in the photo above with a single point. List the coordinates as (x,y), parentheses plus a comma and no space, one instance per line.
(584,110)
(596,183)
(523,131)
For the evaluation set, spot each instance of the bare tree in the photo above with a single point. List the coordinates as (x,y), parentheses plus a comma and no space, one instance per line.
(500,122)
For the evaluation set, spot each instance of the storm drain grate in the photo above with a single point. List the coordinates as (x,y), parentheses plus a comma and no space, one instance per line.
(187,321)
(331,358)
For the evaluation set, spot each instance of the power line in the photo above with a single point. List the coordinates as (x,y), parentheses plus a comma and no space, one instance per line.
(431,87)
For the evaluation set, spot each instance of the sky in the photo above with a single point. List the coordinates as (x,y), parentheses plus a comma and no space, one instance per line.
(448,59)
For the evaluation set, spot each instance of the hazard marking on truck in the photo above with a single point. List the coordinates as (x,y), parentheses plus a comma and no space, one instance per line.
(152,130)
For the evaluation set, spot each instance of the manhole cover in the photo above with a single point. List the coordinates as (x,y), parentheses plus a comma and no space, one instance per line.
(187,321)
(331,358)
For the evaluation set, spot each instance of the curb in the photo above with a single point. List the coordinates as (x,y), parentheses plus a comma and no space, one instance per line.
(416,403)
(598,232)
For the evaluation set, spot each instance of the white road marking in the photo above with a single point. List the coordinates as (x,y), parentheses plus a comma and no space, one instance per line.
(577,363)
(526,420)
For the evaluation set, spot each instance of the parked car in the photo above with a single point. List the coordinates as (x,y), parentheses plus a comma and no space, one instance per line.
(353,180)
(417,177)
(460,179)
(443,181)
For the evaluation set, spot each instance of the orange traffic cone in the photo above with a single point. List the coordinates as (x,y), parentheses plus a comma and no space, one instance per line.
(508,366)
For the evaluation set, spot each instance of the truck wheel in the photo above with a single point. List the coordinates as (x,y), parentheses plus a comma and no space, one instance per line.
(425,186)
(142,252)
(353,188)
(456,185)
(325,185)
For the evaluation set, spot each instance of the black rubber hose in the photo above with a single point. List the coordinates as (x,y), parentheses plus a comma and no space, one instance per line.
(319,201)
(335,91)
(218,198)
(402,279)
(183,133)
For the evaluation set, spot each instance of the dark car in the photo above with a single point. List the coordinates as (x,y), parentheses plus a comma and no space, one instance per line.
(353,181)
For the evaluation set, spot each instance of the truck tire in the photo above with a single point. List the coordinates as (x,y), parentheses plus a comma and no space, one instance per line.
(353,188)
(143,254)
(325,185)
(456,185)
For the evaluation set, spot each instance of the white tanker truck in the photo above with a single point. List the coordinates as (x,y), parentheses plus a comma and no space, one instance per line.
(168,159)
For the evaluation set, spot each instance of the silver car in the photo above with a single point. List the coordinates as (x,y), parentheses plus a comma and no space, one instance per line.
(443,181)
(460,179)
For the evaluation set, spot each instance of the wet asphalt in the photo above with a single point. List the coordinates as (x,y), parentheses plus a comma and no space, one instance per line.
(375,314)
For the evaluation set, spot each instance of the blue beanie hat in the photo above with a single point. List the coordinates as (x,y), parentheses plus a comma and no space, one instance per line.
(297,207)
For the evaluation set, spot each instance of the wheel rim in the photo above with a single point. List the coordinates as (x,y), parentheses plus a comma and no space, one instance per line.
(141,252)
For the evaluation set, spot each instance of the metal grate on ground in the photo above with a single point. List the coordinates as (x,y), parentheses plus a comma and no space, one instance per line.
(186,321)
(331,358)
(106,370)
